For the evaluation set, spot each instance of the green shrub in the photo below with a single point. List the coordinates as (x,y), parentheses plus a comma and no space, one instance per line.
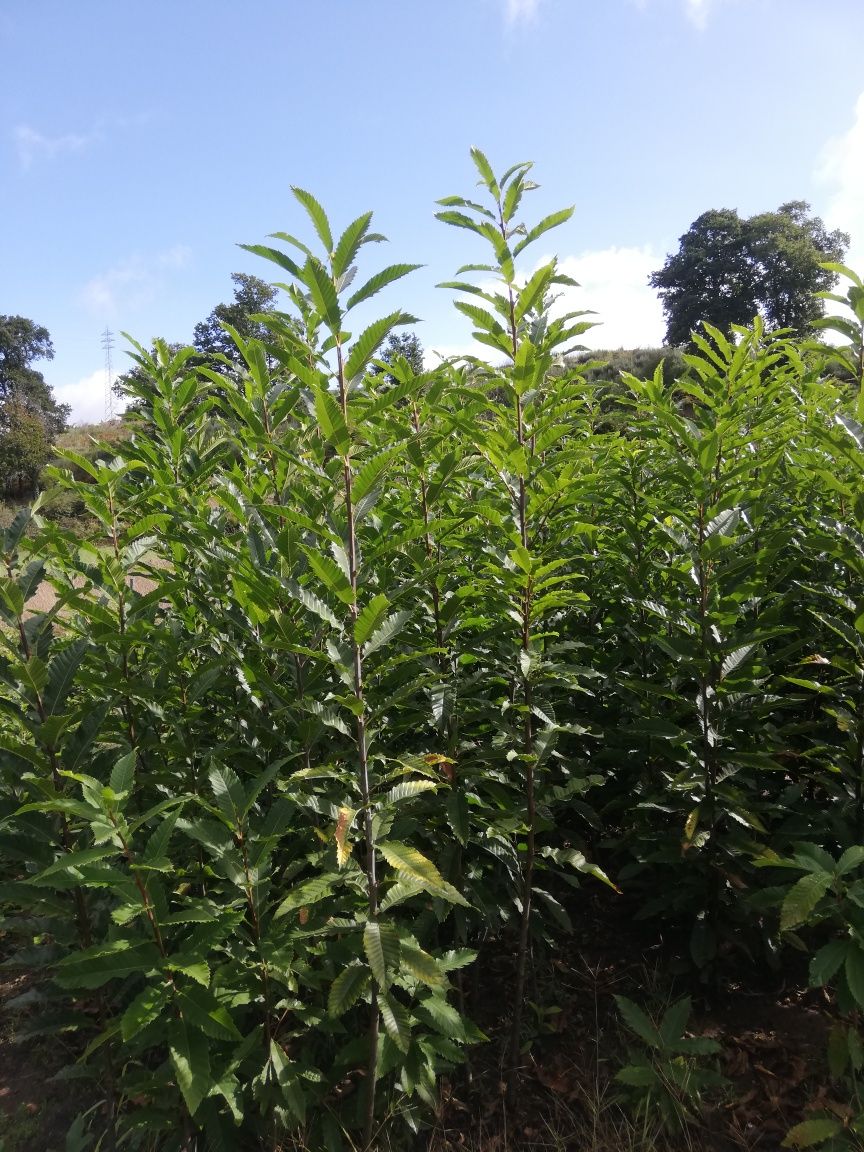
(354,671)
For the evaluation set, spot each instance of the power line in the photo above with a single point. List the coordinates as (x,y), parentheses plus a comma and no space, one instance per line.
(108,344)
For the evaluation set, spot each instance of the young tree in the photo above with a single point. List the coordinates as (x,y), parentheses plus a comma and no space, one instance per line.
(728,269)
(21,342)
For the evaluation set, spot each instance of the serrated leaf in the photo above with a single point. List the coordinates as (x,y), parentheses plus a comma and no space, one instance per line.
(190,1058)
(347,989)
(409,862)
(811,1132)
(123,774)
(93,967)
(638,1022)
(369,341)
(310,892)
(408,790)
(228,793)
(388,631)
(637,1076)
(369,617)
(350,243)
(61,675)
(380,280)
(332,422)
(802,898)
(317,215)
(827,961)
(421,965)
(323,292)
(553,220)
(200,1009)
(396,1020)
(381,945)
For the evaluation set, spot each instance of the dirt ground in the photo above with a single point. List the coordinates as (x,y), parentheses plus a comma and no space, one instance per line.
(44,599)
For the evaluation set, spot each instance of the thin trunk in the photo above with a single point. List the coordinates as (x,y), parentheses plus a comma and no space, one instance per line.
(362,759)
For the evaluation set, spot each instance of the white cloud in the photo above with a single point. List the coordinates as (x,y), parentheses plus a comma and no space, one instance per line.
(697,11)
(87,398)
(132,282)
(33,146)
(518,10)
(613,283)
(841,169)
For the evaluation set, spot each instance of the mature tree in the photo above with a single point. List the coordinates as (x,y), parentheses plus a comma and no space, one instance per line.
(25,446)
(728,269)
(404,344)
(252,297)
(21,342)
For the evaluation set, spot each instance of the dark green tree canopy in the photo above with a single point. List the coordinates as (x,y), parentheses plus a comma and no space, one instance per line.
(404,344)
(252,296)
(21,342)
(728,269)
(25,447)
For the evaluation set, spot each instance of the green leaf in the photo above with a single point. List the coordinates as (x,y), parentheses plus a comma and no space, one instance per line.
(313,603)
(410,863)
(391,628)
(93,967)
(380,280)
(811,1132)
(408,790)
(827,961)
(675,1020)
(61,675)
(552,221)
(347,988)
(637,1076)
(369,341)
(412,866)
(229,794)
(486,174)
(144,1009)
(638,1022)
(323,293)
(123,774)
(370,617)
(200,1008)
(396,1020)
(305,894)
(421,965)
(534,291)
(350,243)
(457,816)
(802,898)
(190,1057)
(332,422)
(852,858)
(855,972)
(317,215)
(70,865)
(331,576)
(275,257)
(381,945)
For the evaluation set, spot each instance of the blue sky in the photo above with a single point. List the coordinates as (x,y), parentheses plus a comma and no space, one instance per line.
(140,142)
